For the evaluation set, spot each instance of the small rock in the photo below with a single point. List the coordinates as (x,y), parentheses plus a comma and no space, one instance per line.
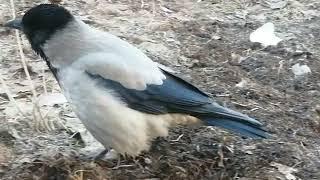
(198,148)
(300,70)
(147,160)
(248,149)
(242,84)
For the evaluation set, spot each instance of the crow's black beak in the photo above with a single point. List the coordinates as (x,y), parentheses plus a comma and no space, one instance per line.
(15,24)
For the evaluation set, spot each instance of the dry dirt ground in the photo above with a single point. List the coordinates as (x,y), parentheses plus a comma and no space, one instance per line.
(208,43)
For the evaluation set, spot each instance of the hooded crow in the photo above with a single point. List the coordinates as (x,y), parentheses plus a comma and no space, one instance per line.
(122,97)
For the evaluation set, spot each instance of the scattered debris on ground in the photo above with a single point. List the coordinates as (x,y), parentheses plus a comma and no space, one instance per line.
(208,42)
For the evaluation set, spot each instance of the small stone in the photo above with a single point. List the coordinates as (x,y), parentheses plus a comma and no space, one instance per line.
(147,160)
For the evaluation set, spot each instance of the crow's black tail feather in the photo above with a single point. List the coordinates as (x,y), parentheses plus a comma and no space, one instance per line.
(240,126)
(234,121)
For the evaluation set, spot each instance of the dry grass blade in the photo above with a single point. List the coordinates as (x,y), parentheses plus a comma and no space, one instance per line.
(39,120)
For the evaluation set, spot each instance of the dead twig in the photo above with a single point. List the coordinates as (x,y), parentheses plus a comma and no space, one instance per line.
(142,4)
(79,174)
(178,139)
(122,166)
(221,155)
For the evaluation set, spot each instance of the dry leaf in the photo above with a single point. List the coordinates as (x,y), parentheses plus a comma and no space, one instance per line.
(242,84)
(285,170)
(51,99)
(265,35)
(276,4)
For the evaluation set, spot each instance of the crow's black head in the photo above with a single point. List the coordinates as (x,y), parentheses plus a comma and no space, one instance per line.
(41,22)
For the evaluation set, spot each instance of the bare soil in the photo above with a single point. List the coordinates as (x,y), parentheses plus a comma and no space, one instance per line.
(208,43)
